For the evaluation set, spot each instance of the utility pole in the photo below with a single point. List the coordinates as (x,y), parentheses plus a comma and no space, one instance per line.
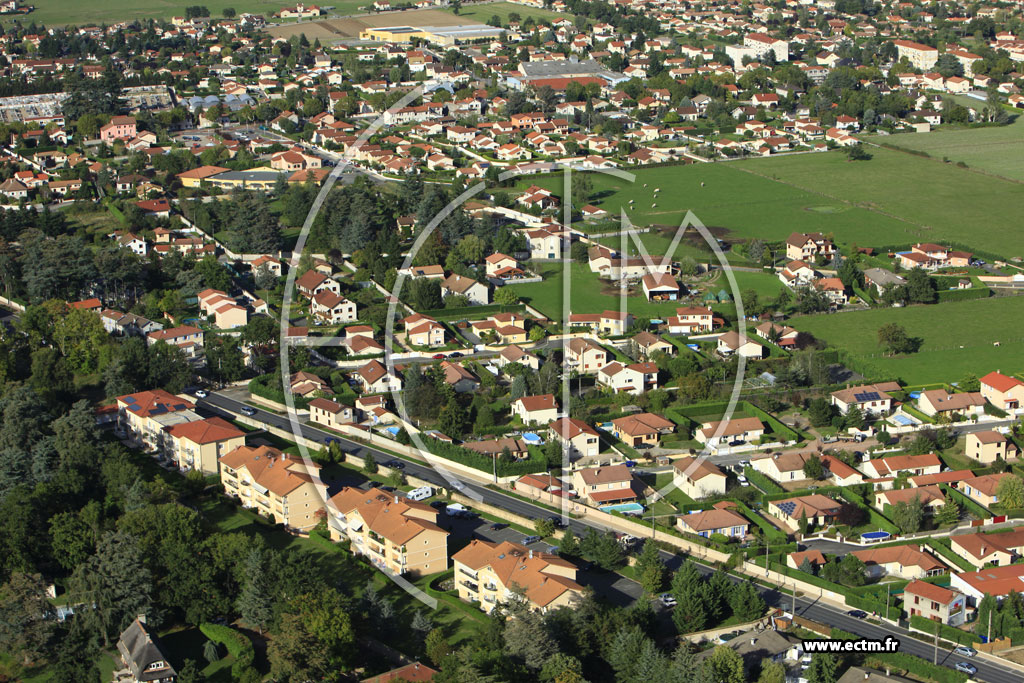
(990,626)
(935,658)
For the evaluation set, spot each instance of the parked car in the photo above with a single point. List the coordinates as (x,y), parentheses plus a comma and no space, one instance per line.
(438,356)
(498,526)
(741,479)
(530,539)
(395,464)
(965,651)
(667,600)
(202,393)
(631,463)
(439,505)
(455,354)
(857,613)
(964,667)
(557,521)
(248,410)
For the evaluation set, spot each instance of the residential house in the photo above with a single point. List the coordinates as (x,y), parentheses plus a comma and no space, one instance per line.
(332,308)
(585,356)
(578,439)
(515,354)
(819,510)
(691,320)
(422,330)
(517,448)
(955,406)
(931,497)
(648,344)
(276,485)
(415,672)
(714,521)
(782,336)
(871,399)
(312,282)
(605,485)
(894,465)
(814,558)
(1002,391)
(614,323)
(782,467)
(642,430)
(189,339)
(987,447)
(635,378)
(378,379)
(698,478)
(226,313)
(119,128)
(489,574)
(930,601)
(998,549)
(328,413)
(499,265)
(984,490)
(199,444)
(995,581)
(808,246)
(458,377)
(477,292)
(535,409)
(732,342)
(305,384)
(736,431)
(143,655)
(882,279)
(660,287)
(395,533)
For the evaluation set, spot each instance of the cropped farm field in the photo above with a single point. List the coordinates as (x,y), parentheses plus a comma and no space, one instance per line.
(959,338)
(997,150)
(65,12)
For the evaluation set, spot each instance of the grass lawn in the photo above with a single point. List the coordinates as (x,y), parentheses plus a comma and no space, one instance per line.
(995,150)
(735,203)
(64,12)
(958,338)
(482,13)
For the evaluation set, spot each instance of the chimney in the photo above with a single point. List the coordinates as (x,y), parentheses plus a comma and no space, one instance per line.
(141,618)
(753,641)
(866,675)
(396,499)
(531,554)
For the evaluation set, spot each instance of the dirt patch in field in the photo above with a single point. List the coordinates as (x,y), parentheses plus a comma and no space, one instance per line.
(350,27)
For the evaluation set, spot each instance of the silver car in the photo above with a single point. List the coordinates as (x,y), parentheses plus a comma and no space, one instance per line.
(965,651)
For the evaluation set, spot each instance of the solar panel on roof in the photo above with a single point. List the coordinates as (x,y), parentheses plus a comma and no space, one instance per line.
(867,396)
(128,399)
(787,507)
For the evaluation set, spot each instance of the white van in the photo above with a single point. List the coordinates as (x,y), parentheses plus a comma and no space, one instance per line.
(422,493)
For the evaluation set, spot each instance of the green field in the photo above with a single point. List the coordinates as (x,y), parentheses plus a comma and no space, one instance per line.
(481,13)
(993,150)
(62,12)
(945,328)
(893,198)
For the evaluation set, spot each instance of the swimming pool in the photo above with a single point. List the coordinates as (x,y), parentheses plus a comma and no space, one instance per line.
(902,420)
(875,536)
(533,439)
(694,347)
(624,508)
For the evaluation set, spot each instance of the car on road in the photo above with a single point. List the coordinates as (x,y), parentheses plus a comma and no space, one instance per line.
(455,354)
(248,410)
(857,614)
(530,539)
(667,600)
(438,356)
(202,393)
(498,526)
(964,651)
(964,667)
(395,464)
(557,521)
(744,463)
(631,463)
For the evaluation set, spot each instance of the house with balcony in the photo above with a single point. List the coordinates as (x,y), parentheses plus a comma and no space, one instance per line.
(585,356)
(277,486)
(635,378)
(490,574)
(1002,391)
(395,533)
(199,445)
(328,413)
(927,600)
(607,485)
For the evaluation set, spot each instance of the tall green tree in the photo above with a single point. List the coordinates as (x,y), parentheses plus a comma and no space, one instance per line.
(255,602)
(116,582)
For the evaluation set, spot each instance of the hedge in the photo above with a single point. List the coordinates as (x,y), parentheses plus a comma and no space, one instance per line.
(966,502)
(947,295)
(911,410)
(770,532)
(761,481)
(261,386)
(238,644)
(869,604)
(473,312)
(485,463)
(919,667)
(942,547)
(950,633)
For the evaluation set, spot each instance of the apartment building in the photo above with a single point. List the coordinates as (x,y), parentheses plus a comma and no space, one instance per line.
(199,445)
(142,417)
(489,574)
(276,485)
(396,534)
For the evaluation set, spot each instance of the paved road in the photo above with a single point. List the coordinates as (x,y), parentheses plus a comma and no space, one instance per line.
(619,590)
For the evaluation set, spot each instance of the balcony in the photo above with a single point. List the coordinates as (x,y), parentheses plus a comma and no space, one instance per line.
(470,585)
(467,572)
